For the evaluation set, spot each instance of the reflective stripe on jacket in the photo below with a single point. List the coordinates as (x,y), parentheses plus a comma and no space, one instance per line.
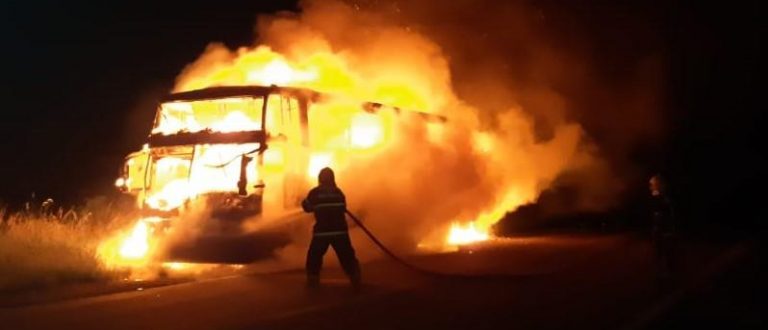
(328,204)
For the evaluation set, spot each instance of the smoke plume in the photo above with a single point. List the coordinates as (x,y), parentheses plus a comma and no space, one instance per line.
(529,105)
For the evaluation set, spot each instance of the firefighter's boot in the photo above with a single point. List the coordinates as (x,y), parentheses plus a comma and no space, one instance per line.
(356,281)
(313,281)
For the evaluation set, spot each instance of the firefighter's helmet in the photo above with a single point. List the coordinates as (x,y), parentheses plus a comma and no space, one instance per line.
(326,177)
(657,185)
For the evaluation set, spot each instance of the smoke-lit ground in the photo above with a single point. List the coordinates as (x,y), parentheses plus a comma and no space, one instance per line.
(547,281)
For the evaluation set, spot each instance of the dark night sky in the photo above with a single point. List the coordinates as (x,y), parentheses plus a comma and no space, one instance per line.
(79,81)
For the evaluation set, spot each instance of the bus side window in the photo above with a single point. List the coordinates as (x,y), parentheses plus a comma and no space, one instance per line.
(294,120)
(274,120)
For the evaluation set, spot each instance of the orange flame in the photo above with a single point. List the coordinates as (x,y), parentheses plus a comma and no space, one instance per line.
(476,167)
(462,235)
(129,249)
(136,245)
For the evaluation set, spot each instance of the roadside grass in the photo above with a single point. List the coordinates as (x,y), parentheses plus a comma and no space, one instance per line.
(45,245)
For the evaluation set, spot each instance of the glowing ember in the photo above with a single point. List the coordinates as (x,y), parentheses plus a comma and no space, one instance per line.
(176,265)
(468,234)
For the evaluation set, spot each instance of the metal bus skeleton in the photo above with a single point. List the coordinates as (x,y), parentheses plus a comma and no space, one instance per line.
(245,149)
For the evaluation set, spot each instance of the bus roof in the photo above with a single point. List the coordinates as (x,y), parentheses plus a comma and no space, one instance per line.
(238,91)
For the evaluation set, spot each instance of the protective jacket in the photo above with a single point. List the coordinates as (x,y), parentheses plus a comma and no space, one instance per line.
(328,204)
(662,215)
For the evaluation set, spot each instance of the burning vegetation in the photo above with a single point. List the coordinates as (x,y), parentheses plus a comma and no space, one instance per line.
(44,244)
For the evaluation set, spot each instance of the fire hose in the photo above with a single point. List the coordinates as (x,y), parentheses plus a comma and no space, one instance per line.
(383,247)
(412,267)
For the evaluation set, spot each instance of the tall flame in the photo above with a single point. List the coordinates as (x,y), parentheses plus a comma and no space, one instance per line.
(462,175)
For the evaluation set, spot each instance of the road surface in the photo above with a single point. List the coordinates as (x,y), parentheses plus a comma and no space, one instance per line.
(596,282)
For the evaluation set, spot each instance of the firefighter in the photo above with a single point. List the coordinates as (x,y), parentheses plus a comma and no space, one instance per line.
(662,226)
(328,204)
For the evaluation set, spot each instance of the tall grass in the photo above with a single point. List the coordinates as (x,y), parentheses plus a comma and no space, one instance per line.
(44,245)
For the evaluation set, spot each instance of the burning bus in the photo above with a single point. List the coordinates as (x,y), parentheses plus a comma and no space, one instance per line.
(248,150)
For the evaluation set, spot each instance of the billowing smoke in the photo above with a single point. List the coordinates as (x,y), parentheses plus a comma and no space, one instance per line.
(518,96)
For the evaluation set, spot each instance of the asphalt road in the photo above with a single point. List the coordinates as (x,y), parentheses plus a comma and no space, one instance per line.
(595,282)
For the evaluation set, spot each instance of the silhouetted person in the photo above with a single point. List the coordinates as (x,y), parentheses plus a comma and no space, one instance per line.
(328,204)
(662,226)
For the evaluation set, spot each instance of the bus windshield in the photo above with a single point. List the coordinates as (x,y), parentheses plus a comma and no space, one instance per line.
(237,114)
